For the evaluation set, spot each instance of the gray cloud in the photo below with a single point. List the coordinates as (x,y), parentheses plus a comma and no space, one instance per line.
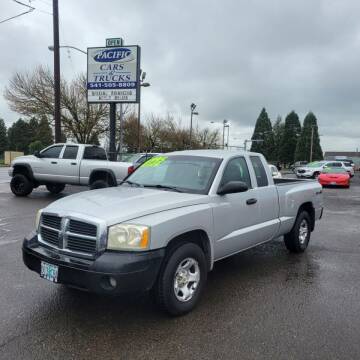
(230,57)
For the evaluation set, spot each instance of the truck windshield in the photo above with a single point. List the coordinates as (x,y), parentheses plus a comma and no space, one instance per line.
(192,174)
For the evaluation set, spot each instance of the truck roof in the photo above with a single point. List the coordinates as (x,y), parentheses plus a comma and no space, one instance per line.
(214,153)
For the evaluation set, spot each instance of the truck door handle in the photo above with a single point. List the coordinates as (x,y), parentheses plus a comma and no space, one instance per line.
(251,201)
(73,163)
(54,162)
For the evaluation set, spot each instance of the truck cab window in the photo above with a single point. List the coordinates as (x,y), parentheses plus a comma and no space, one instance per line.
(52,152)
(94,153)
(260,173)
(70,152)
(236,170)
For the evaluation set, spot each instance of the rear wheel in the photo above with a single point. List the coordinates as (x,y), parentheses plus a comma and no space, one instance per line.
(20,185)
(99,184)
(55,188)
(297,240)
(181,279)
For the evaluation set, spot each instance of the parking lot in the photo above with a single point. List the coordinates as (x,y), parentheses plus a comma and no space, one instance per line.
(261,304)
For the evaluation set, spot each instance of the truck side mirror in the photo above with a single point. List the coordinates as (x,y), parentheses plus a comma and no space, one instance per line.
(37,154)
(233,187)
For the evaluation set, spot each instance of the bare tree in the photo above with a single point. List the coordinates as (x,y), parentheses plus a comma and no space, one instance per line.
(32,94)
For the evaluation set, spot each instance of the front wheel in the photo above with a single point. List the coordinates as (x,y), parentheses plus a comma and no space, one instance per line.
(20,185)
(297,240)
(181,280)
(55,188)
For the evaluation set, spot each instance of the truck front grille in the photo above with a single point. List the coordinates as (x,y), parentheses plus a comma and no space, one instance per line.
(69,235)
(50,236)
(51,221)
(301,171)
(83,228)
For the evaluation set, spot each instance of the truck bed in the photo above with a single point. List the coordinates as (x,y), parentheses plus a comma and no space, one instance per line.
(287,181)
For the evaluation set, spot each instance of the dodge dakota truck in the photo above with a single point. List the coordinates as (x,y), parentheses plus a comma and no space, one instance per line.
(168,223)
(62,164)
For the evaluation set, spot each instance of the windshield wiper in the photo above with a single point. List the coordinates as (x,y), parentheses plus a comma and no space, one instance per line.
(131,183)
(159,186)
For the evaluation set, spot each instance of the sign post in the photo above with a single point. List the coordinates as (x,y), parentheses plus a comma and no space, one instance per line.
(113,76)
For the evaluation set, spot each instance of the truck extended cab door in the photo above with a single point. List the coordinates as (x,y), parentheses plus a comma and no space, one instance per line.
(268,200)
(236,216)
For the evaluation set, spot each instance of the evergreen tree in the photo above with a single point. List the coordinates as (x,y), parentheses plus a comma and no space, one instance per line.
(19,136)
(278,130)
(292,131)
(33,128)
(3,138)
(44,132)
(303,148)
(263,132)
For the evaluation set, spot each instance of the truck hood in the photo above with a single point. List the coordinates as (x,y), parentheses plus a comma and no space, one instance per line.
(119,204)
(24,157)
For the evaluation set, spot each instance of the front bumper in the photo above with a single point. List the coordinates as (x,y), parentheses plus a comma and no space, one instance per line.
(132,272)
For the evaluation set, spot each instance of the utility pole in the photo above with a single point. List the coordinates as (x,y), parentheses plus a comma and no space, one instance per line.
(312,141)
(138,123)
(57,108)
(112,130)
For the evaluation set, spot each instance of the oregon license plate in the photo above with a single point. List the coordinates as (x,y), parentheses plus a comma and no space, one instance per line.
(49,271)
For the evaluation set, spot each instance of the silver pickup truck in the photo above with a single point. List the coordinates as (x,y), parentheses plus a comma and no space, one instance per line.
(62,164)
(168,223)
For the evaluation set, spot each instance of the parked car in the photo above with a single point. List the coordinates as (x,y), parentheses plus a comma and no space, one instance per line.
(276,174)
(298,164)
(314,169)
(350,167)
(334,176)
(62,164)
(168,223)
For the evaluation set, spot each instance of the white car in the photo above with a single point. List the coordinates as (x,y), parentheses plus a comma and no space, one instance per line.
(314,169)
(276,174)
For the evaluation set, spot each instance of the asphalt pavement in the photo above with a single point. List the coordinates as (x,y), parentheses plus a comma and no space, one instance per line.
(4,176)
(261,304)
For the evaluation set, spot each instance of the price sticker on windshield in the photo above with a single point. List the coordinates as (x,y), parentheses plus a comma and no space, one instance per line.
(155,161)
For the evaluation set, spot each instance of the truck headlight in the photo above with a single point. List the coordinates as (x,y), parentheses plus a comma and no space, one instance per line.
(37,219)
(128,237)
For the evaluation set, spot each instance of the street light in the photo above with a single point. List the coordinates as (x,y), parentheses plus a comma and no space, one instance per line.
(142,84)
(226,125)
(193,112)
(51,48)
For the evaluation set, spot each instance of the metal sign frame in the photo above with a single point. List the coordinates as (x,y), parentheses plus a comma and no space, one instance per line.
(137,88)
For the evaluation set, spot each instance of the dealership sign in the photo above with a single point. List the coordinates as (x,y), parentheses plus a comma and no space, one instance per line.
(113,74)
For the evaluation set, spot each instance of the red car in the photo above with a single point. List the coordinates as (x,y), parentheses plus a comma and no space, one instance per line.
(334,176)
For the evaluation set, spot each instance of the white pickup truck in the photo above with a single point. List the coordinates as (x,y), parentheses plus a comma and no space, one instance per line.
(168,223)
(62,164)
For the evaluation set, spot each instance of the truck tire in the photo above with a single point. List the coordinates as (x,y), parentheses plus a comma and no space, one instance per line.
(99,184)
(20,185)
(181,279)
(55,188)
(297,240)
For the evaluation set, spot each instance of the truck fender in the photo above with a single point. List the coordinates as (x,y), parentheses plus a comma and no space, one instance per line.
(18,169)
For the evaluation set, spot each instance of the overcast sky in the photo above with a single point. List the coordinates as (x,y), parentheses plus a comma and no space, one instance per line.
(230,57)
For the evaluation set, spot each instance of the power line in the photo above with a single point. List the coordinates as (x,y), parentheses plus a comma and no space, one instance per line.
(31,8)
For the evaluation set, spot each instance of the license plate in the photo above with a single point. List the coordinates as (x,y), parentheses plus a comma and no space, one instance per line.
(333,183)
(49,271)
